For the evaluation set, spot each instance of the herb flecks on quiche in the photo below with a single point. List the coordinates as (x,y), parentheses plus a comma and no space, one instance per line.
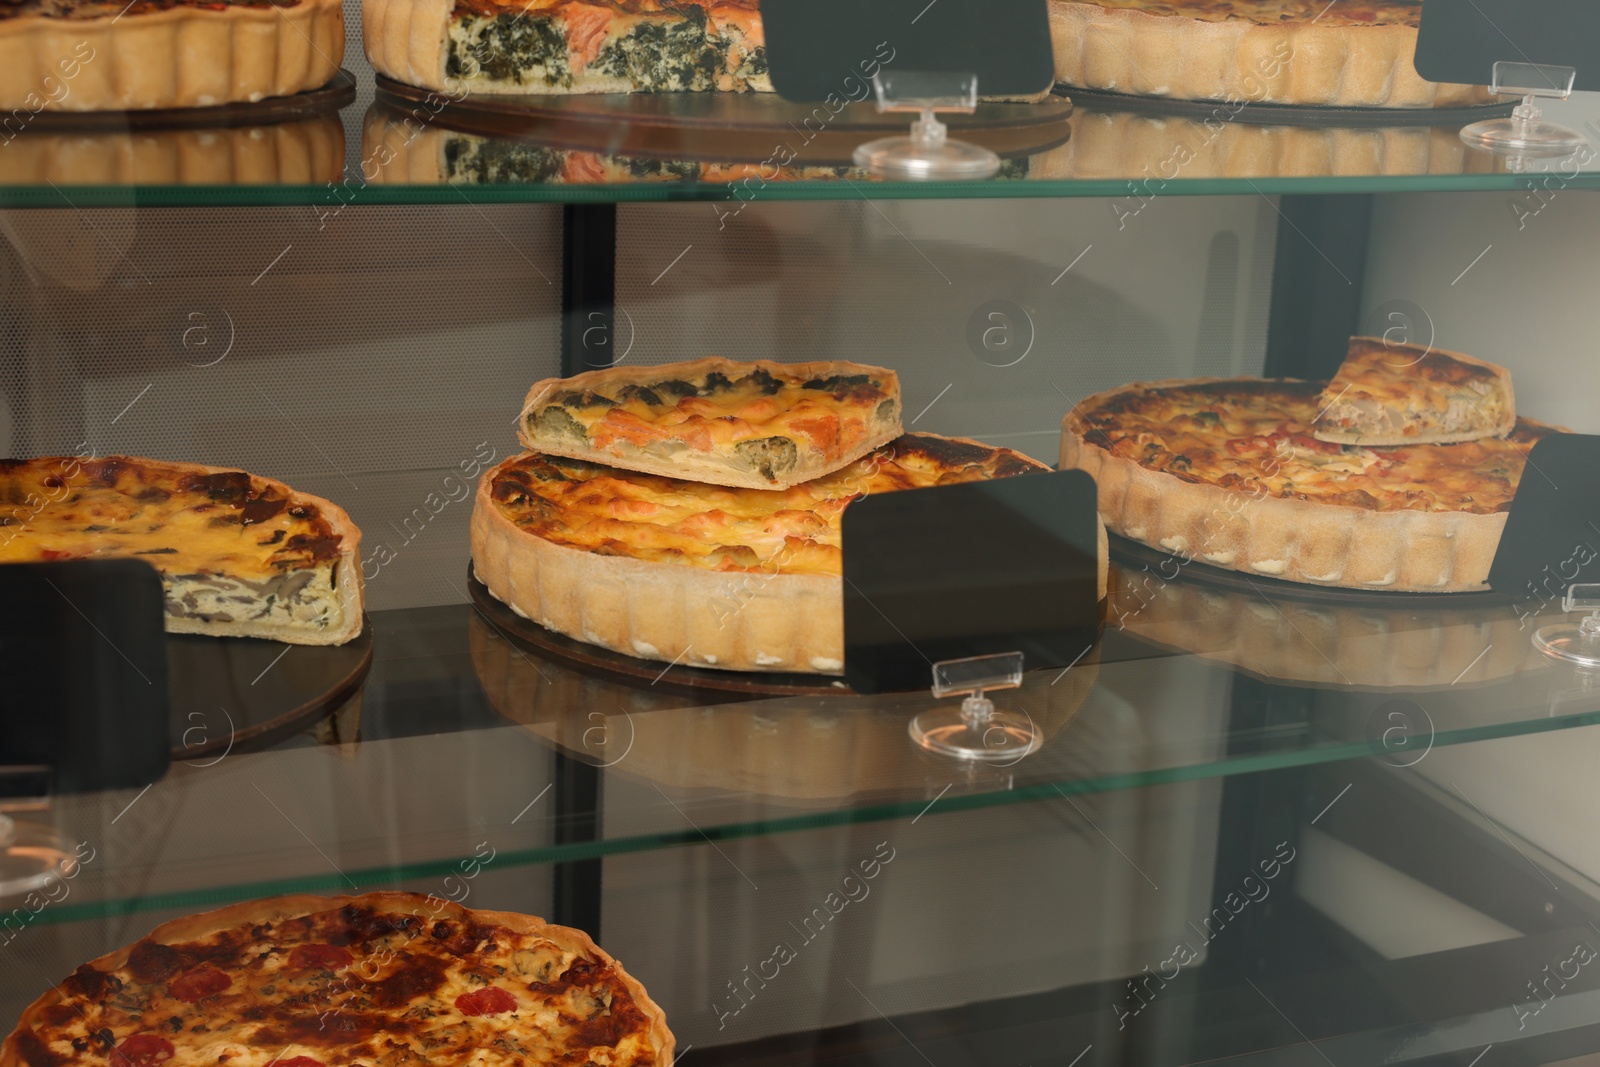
(758,425)
(239,555)
(568,46)
(1396,394)
(1344,53)
(707,575)
(1228,472)
(384,979)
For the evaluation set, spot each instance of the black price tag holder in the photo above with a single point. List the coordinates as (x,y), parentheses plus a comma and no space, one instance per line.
(918,57)
(969,584)
(1529,48)
(1548,560)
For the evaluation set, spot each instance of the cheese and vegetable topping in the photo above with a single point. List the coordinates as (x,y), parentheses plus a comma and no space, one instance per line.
(88,9)
(1255,437)
(230,547)
(1267,12)
(649,45)
(1394,395)
(353,985)
(666,520)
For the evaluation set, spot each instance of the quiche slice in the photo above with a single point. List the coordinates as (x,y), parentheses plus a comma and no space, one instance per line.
(684,572)
(1393,394)
(1329,53)
(568,46)
(128,55)
(759,425)
(239,555)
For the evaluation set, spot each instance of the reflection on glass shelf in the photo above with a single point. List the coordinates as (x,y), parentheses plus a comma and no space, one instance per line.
(415,151)
(466,734)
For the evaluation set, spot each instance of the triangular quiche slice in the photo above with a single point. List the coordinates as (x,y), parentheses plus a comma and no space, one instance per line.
(1399,394)
(757,425)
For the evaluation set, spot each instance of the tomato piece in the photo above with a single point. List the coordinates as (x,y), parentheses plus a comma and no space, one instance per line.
(490,1001)
(204,981)
(318,957)
(297,1061)
(142,1050)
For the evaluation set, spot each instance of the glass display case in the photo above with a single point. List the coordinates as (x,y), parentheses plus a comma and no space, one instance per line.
(1267,822)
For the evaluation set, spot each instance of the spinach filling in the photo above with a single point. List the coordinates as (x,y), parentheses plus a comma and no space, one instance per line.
(514,48)
(490,162)
(665,56)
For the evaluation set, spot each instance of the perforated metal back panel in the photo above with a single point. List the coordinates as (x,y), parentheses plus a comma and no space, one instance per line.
(364,358)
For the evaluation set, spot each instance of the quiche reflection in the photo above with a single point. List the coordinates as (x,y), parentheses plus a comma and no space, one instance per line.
(800,750)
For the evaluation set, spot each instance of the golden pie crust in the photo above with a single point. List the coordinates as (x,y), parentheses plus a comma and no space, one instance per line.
(1304,540)
(784,613)
(1206,51)
(172,57)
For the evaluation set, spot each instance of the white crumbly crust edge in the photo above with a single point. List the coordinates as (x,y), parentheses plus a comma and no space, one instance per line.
(1298,540)
(713,468)
(409,41)
(276,909)
(1286,640)
(1407,355)
(666,611)
(310,152)
(1128,51)
(179,57)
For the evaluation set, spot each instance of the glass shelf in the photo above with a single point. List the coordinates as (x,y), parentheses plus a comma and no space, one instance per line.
(465,734)
(383,153)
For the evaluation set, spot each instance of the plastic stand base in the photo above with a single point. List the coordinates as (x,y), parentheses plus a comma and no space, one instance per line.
(1523,134)
(1570,644)
(912,159)
(31,854)
(976,731)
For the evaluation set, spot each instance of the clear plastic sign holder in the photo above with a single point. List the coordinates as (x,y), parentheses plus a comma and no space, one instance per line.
(976,730)
(1575,643)
(929,153)
(1526,133)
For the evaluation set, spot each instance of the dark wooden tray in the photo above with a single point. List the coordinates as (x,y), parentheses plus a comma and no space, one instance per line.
(1287,114)
(275,109)
(229,694)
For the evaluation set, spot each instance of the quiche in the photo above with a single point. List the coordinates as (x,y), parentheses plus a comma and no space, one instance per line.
(1332,53)
(568,46)
(126,55)
(1227,472)
(759,425)
(681,571)
(382,979)
(239,555)
(1394,394)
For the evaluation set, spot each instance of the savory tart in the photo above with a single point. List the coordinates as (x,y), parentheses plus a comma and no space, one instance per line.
(1394,394)
(568,46)
(1334,53)
(239,555)
(666,569)
(384,979)
(1227,471)
(117,55)
(759,425)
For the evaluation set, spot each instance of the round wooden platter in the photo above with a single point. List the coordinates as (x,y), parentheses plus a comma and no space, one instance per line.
(721,127)
(340,91)
(1285,114)
(1133,556)
(228,694)
(676,677)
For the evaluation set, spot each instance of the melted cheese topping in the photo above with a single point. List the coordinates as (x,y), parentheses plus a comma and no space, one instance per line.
(665,520)
(183,523)
(1270,12)
(88,9)
(353,985)
(1411,391)
(1254,437)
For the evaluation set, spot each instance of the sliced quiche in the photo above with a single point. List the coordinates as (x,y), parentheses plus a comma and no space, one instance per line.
(758,425)
(239,555)
(1396,394)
